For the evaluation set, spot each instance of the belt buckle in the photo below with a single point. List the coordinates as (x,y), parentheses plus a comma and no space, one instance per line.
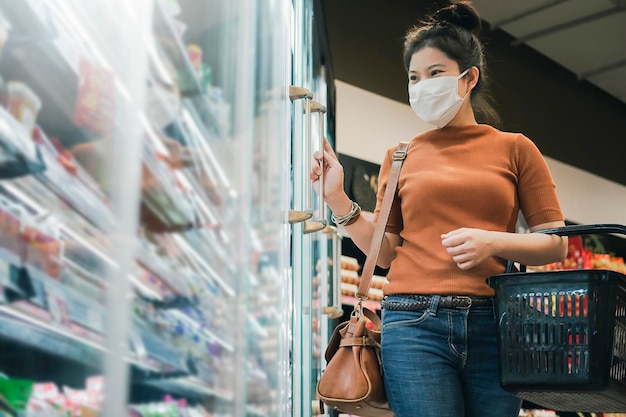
(469,302)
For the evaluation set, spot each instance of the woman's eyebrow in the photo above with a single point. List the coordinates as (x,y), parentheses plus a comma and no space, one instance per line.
(435,65)
(428,68)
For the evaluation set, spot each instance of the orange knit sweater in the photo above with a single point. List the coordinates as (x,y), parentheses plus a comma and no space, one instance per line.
(471,176)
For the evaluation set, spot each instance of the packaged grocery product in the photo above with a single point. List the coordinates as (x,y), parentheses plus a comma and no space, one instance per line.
(95,101)
(43,251)
(19,155)
(195,56)
(162,104)
(22,102)
(16,392)
(12,247)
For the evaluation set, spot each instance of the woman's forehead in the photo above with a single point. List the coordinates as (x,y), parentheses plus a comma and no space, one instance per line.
(428,58)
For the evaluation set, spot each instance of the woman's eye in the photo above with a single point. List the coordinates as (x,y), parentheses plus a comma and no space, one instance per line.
(435,72)
(413,78)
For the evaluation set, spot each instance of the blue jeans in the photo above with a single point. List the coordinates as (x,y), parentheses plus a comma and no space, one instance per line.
(443,363)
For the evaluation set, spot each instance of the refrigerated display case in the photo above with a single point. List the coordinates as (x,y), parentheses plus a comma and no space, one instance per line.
(150,158)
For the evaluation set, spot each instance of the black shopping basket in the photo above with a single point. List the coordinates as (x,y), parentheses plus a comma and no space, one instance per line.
(562,334)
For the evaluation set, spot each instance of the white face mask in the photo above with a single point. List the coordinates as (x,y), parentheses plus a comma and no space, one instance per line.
(436,100)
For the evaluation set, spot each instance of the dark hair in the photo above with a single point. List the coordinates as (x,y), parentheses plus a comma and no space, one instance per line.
(454,30)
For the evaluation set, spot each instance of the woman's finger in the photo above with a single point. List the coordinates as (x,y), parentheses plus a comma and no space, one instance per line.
(330,160)
(329,149)
(317,155)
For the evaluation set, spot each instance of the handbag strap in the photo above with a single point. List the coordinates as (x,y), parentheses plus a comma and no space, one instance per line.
(381,224)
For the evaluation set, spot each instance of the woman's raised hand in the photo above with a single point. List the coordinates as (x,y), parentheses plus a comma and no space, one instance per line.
(333,172)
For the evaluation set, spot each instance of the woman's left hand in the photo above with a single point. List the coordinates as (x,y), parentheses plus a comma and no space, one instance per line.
(468,247)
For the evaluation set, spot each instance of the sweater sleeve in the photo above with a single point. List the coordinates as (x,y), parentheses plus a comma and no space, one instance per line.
(395,223)
(536,190)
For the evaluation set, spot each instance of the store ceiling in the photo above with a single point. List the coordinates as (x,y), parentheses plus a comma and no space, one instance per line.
(558,68)
(588,37)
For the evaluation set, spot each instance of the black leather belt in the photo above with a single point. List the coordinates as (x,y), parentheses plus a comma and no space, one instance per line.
(421,302)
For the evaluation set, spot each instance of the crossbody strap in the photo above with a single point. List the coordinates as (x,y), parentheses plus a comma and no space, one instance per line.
(381,224)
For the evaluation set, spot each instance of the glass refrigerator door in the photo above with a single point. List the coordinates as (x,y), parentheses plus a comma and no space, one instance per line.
(144,177)
(75,165)
(302,262)
(309,251)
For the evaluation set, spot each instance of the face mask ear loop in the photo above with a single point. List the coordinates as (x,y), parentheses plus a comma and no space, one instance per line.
(461,75)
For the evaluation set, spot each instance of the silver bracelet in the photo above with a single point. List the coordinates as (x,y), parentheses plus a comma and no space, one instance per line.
(355,211)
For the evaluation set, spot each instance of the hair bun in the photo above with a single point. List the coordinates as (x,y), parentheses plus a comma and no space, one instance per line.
(460,14)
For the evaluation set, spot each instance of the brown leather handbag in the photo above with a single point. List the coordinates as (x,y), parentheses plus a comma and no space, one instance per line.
(353,380)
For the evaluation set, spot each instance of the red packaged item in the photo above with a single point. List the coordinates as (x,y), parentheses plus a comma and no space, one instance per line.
(12,246)
(43,252)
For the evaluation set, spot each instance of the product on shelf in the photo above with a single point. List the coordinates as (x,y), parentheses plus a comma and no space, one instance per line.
(78,182)
(163,103)
(195,56)
(16,392)
(537,413)
(19,155)
(95,101)
(350,279)
(169,407)
(581,257)
(57,225)
(350,264)
(43,250)
(12,246)
(92,158)
(22,102)
(179,156)
(37,399)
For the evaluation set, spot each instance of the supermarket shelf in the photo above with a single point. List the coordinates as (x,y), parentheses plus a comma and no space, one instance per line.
(157,348)
(87,313)
(22,328)
(161,268)
(171,44)
(82,310)
(256,327)
(48,337)
(210,275)
(89,205)
(205,333)
(209,247)
(58,89)
(181,338)
(55,182)
(190,387)
(253,411)
(20,155)
(190,86)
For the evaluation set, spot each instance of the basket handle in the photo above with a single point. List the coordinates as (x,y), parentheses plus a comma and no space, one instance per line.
(575,230)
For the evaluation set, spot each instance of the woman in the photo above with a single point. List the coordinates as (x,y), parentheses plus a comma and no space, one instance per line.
(452,225)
